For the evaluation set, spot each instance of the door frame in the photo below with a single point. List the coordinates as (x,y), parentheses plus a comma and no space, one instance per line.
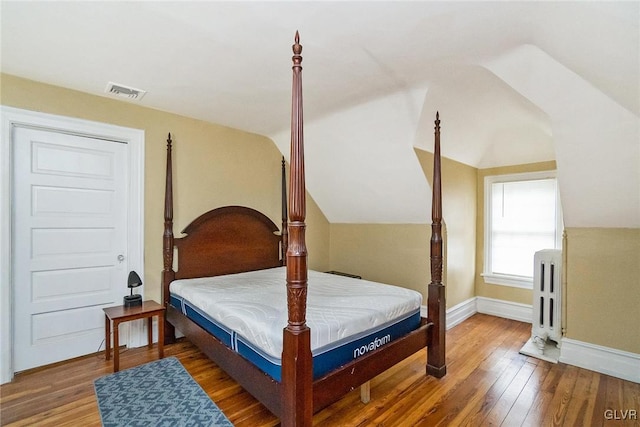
(14,117)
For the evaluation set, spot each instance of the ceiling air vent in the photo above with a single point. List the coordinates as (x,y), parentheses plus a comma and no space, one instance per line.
(124,91)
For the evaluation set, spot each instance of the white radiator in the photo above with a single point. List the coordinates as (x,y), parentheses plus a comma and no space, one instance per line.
(547,297)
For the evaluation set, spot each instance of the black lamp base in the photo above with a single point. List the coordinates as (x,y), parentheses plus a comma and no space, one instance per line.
(132,300)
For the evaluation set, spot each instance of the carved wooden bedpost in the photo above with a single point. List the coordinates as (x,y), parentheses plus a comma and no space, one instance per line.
(168,275)
(297,365)
(285,231)
(436,364)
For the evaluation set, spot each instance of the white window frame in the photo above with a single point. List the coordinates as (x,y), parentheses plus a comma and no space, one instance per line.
(504,279)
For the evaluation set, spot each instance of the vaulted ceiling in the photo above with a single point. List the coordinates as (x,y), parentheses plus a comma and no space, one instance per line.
(515,83)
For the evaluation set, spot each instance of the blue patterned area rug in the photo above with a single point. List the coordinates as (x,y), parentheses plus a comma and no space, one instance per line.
(160,393)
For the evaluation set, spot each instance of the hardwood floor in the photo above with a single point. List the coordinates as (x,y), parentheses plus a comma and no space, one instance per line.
(488,383)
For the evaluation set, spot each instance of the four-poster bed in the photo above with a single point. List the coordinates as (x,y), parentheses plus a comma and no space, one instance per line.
(293,372)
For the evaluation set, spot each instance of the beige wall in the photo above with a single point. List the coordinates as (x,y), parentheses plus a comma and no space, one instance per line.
(213,165)
(399,253)
(506,293)
(603,287)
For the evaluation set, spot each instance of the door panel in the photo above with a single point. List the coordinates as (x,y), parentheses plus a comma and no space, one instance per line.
(50,285)
(70,227)
(71,201)
(67,160)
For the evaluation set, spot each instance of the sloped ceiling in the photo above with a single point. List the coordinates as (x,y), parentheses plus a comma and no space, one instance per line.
(515,82)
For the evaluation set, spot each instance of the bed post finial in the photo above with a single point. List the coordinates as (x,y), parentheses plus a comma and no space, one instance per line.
(436,365)
(296,40)
(168,275)
(297,368)
(285,232)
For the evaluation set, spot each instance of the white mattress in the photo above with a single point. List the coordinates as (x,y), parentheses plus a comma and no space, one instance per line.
(254,305)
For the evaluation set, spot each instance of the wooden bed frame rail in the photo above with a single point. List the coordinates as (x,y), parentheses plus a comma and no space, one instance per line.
(234,239)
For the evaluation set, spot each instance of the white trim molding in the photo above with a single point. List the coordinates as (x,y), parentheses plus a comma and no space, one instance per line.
(506,309)
(609,361)
(506,280)
(494,307)
(461,312)
(496,278)
(456,314)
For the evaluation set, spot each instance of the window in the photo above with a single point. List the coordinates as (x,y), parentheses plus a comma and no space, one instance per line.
(522,216)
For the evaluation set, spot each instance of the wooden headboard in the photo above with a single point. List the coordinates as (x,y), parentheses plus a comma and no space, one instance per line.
(227,240)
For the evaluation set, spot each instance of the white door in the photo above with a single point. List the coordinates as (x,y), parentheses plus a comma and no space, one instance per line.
(70,242)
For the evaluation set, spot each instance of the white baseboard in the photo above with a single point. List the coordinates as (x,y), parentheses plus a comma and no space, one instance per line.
(456,314)
(500,308)
(506,309)
(461,312)
(609,361)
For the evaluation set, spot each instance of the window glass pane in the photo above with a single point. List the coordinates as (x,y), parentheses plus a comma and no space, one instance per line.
(523,221)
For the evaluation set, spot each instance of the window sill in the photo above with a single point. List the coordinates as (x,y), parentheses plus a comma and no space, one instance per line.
(505,280)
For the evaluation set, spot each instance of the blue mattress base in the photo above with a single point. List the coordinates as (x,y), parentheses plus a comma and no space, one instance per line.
(325,359)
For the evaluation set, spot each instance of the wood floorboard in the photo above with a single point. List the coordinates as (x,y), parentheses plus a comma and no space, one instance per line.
(496,373)
(487,383)
(433,410)
(527,395)
(580,414)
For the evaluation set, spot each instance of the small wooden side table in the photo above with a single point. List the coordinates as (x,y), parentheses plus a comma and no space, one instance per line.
(119,314)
